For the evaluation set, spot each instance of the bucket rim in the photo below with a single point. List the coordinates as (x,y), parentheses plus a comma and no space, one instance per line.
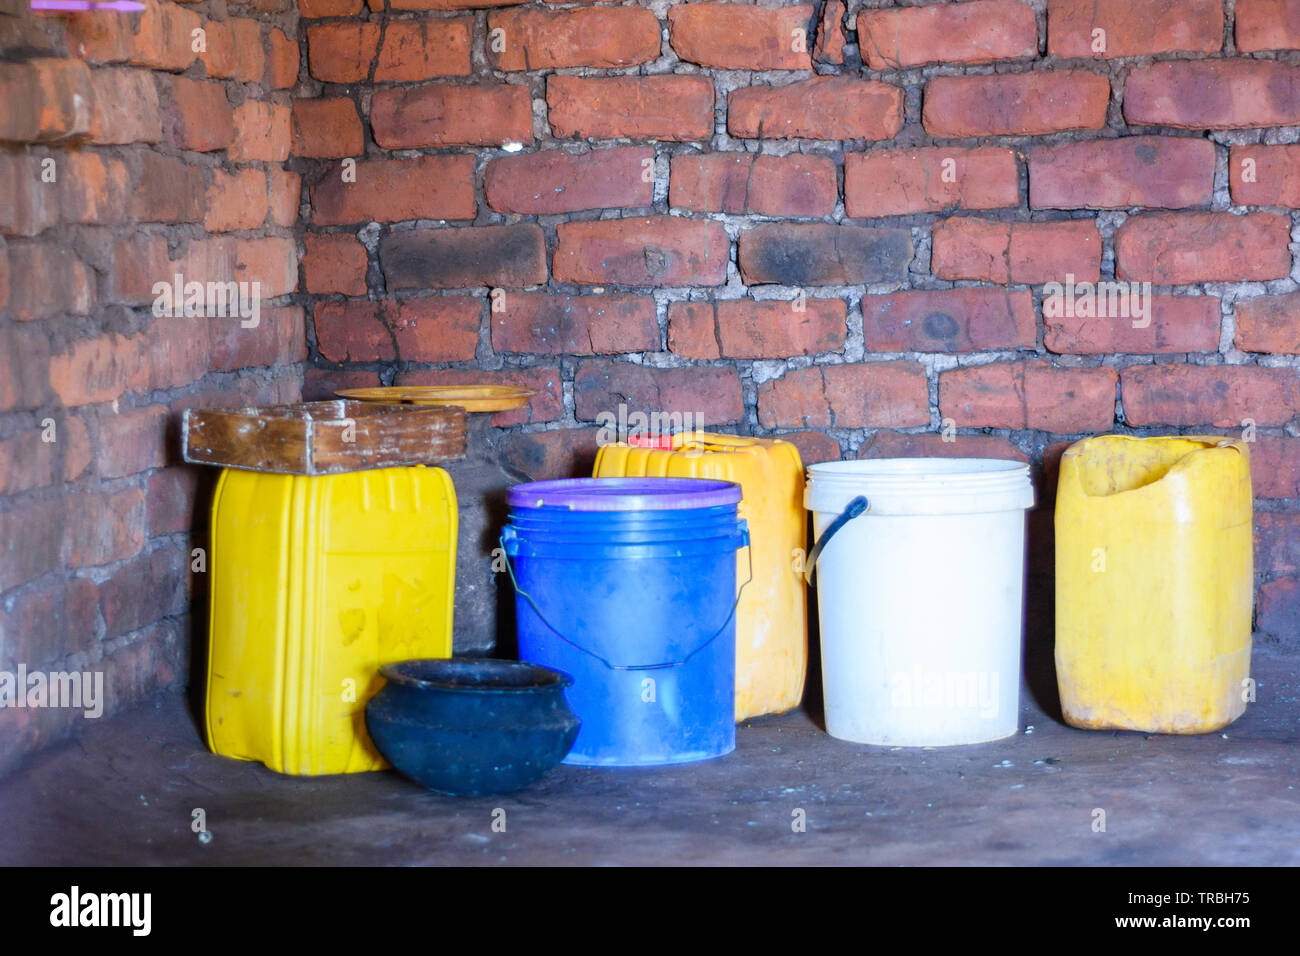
(919,468)
(623,494)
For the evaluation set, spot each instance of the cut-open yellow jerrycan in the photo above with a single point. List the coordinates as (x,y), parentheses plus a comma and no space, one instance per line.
(1154,583)
(772,615)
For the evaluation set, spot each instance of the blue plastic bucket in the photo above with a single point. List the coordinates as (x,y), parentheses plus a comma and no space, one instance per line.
(629,585)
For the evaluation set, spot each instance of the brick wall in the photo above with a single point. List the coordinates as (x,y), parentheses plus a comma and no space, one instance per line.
(831,225)
(127,157)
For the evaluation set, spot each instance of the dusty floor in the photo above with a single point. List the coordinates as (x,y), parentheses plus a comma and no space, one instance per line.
(125,793)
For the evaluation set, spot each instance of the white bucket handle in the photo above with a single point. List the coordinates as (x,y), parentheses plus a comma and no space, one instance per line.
(856,507)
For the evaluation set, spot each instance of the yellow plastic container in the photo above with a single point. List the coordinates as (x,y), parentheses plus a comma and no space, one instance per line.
(316,582)
(772,617)
(1154,583)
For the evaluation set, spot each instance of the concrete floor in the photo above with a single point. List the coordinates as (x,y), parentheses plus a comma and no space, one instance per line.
(125,793)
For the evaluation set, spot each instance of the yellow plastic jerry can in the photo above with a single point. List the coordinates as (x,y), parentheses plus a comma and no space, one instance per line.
(317,582)
(1154,581)
(772,616)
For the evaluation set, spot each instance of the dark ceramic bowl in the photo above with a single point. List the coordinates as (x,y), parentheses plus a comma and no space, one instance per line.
(472,726)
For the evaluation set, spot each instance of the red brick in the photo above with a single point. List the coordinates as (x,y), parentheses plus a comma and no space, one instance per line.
(976,32)
(45,99)
(1219,395)
(48,280)
(250,55)
(93,370)
(1033,395)
(415,50)
(813,446)
(131,441)
(830,35)
(741,183)
(651,251)
(28,204)
(594,37)
(1174,323)
(327,128)
(101,36)
(1134,27)
(282,62)
(308,9)
(138,262)
(744,328)
(46,625)
(4,274)
(1160,171)
(92,187)
(1015,104)
(168,190)
(949,320)
(671,108)
(1267,25)
(1275,466)
(320,384)
(334,262)
(821,254)
(125,108)
(172,354)
(199,116)
(733,36)
(236,200)
(30,539)
(555,181)
(24,366)
(146,589)
(1178,248)
(262,132)
(220,59)
(846,396)
(463,257)
(546,404)
(172,499)
(342,52)
(28,461)
(435,329)
(561,453)
(164,39)
(270,260)
(279,338)
(1269,323)
(1277,543)
(103,527)
(904,181)
(453,4)
(284,189)
(393,190)
(824,107)
(1279,608)
(76,444)
(1213,94)
(1028,252)
(601,386)
(574,324)
(443,114)
(892,444)
(1265,175)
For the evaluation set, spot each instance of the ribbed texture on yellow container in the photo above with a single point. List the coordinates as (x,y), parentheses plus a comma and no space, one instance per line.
(316,582)
(772,617)
(1154,580)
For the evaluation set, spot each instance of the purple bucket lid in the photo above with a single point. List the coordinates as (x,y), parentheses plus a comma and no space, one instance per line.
(624,494)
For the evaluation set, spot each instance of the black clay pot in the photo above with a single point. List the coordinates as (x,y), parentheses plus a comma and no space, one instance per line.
(472,726)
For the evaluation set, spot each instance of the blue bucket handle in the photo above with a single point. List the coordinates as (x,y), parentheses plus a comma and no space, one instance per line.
(744,535)
(856,507)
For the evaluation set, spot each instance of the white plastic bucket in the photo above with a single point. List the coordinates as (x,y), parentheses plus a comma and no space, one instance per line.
(921,597)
